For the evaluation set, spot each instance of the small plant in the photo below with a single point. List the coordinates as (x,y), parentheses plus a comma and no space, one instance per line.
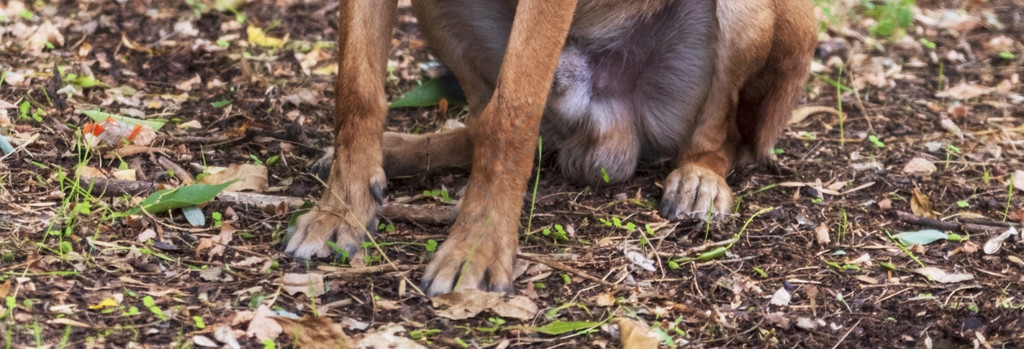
(558,234)
(950,151)
(441,194)
(25,112)
(892,17)
(150,304)
(877,142)
(844,224)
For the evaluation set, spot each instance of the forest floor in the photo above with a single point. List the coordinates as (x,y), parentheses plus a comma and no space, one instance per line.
(917,132)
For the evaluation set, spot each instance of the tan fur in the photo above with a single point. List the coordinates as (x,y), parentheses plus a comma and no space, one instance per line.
(706,82)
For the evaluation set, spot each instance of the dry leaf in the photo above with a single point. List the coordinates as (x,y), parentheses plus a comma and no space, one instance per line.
(263,326)
(605,299)
(941,276)
(465,304)
(965,91)
(216,244)
(801,113)
(994,244)
(821,233)
(885,204)
(781,297)
(636,335)
(310,284)
(388,336)
(250,177)
(919,166)
(315,332)
(921,205)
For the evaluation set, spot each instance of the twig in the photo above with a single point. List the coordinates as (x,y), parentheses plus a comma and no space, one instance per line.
(562,267)
(847,334)
(350,272)
(944,225)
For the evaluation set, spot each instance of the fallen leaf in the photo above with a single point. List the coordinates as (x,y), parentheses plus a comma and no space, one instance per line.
(781,297)
(801,113)
(248,176)
(807,323)
(388,336)
(885,204)
(920,204)
(965,91)
(635,334)
(919,166)
(920,237)
(465,304)
(994,244)
(941,276)
(640,260)
(204,341)
(821,233)
(604,299)
(1018,180)
(45,33)
(315,332)
(310,284)
(263,326)
(217,244)
(258,37)
(226,335)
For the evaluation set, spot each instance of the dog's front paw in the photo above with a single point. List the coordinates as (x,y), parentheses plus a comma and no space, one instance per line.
(694,191)
(344,215)
(478,257)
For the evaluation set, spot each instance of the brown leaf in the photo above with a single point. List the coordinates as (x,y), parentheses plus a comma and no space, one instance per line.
(315,332)
(921,205)
(942,276)
(605,299)
(468,303)
(250,177)
(216,244)
(821,233)
(310,284)
(636,334)
(885,204)
(263,326)
(919,166)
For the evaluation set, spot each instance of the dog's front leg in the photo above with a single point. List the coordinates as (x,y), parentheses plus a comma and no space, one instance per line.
(481,247)
(346,211)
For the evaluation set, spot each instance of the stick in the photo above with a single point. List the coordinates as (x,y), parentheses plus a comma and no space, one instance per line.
(568,269)
(944,225)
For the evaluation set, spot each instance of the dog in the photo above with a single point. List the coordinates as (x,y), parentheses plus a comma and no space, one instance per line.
(609,83)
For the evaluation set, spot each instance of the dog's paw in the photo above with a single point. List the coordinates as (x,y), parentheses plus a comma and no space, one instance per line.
(472,259)
(342,217)
(693,191)
(321,168)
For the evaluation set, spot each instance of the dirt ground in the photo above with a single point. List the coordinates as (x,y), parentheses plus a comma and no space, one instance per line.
(930,137)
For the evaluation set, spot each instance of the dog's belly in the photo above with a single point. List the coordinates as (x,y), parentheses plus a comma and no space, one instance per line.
(622,94)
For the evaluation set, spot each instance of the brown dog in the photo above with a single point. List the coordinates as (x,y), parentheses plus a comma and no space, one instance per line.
(707,82)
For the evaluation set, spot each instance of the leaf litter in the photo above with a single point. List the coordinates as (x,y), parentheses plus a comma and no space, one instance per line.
(917,135)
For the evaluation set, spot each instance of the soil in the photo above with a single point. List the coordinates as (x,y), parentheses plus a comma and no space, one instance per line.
(814,263)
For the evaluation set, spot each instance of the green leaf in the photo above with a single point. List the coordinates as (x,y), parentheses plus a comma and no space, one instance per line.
(100,116)
(920,237)
(169,199)
(221,103)
(429,94)
(560,327)
(88,81)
